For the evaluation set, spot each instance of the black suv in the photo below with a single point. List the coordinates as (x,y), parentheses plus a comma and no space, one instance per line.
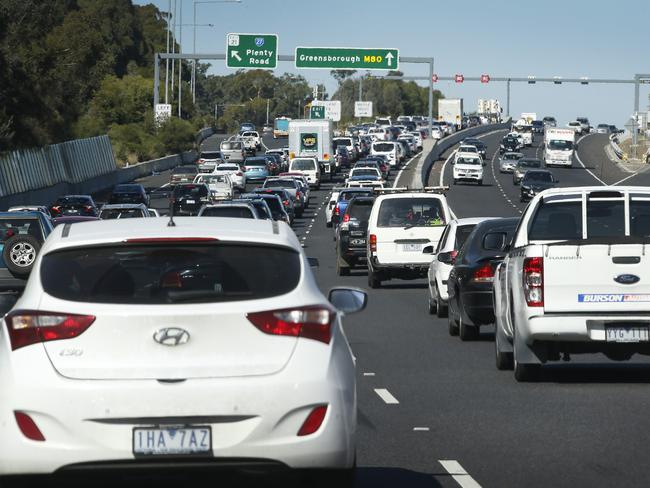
(129,193)
(351,234)
(188,198)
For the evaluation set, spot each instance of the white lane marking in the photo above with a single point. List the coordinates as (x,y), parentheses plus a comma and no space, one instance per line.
(459,474)
(369,374)
(421,429)
(640,172)
(496,180)
(399,173)
(582,164)
(385,395)
(442,171)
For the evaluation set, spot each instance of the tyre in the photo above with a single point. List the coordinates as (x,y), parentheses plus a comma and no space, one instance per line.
(431,305)
(441,309)
(480,182)
(455,181)
(328,224)
(19,254)
(452,325)
(373,280)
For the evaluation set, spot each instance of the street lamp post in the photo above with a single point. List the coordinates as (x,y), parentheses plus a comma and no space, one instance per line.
(196,2)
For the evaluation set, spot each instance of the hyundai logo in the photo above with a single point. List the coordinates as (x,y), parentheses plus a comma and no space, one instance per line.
(627,279)
(171,336)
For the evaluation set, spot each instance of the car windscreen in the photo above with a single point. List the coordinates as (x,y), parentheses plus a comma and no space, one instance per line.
(230,146)
(120,213)
(303,165)
(410,212)
(255,162)
(470,161)
(190,190)
(210,155)
(73,201)
(349,195)
(127,189)
(144,274)
(512,156)
(383,146)
(228,211)
(556,221)
(275,205)
(12,227)
(382,121)
(557,145)
(223,167)
(341,142)
(212,180)
(280,184)
(182,170)
(364,172)
(529,163)
(535,176)
(360,210)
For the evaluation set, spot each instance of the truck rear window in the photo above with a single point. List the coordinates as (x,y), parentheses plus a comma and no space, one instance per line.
(143,274)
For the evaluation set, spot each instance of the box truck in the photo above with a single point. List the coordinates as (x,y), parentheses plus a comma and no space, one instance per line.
(312,138)
(281,127)
(558,146)
(451,111)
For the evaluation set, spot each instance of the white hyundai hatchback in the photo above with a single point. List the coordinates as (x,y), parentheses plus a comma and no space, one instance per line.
(207,341)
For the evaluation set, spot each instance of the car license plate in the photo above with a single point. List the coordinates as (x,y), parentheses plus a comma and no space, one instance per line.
(627,334)
(411,247)
(172,441)
(190,201)
(358,242)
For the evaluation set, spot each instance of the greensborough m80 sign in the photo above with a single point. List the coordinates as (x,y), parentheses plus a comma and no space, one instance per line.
(347,58)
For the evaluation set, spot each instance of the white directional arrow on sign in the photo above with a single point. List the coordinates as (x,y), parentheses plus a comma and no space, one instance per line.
(235,54)
(389,57)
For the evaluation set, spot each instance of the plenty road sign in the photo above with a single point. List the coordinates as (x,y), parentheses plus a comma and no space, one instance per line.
(347,58)
(252,51)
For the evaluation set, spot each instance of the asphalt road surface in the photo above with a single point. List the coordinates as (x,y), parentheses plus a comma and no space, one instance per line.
(436,412)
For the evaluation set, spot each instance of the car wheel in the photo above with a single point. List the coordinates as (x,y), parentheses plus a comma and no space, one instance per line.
(328,224)
(452,325)
(480,182)
(19,254)
(373,280)
(342,268)
(441,309)
(455,181)
(431,305)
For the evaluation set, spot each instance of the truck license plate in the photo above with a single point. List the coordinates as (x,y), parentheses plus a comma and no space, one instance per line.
(627,334)
(172,441)
(358,242)
(411,247)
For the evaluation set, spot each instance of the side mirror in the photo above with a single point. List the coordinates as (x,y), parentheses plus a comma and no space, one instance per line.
(446,258)
(348,300)
(427,250)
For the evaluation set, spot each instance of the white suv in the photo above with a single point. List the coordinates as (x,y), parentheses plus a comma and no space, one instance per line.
(401,225)
(468,167)
(209,339)
(389,150)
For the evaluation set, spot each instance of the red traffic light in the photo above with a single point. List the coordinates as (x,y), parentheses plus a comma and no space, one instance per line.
(434,78)
(485,78)
(459,78)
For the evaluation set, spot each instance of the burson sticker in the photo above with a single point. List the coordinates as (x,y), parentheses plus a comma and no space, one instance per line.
(612,297)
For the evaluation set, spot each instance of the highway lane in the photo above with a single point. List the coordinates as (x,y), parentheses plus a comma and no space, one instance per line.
(426,399)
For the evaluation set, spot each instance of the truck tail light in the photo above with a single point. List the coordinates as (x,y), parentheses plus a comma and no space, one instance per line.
(484,274)
(28,327)
(533,281)
(312,322)
(372,241)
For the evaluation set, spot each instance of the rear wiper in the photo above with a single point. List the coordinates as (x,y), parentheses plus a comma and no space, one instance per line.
(409,226)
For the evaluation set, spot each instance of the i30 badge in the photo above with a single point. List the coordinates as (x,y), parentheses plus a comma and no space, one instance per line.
(627,279)
(171,336)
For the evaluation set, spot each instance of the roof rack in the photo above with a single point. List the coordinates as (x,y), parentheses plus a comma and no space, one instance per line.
(404,189)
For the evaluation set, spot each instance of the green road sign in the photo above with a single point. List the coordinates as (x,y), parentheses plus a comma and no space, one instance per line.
(347,58)
(317,112)
(252,51)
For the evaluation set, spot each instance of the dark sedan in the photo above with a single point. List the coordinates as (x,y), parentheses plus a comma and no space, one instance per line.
(535,181)
(188,198)
(351,234)
(477,143)
(74,205)
(470,281)
(129,193)
(509,144)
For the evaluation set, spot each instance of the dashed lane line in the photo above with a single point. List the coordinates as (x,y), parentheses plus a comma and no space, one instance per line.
(399,174)
(458,473)
(498,183)
(386,396)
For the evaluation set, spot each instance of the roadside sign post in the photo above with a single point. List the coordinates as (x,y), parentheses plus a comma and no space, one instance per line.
(255,51)
(162,112)
(317,112)
(362,109)
(352,58)
(332,109)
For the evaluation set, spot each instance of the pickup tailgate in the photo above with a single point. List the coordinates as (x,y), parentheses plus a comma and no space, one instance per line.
(596,278)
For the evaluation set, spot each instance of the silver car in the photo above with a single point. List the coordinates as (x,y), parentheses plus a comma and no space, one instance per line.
(233,151)
(508,161)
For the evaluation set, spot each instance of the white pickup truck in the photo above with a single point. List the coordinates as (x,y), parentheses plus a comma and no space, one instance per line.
(576,279)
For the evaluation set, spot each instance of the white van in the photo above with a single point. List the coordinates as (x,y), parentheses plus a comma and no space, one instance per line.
(309,168)
(388,149)
(402,229)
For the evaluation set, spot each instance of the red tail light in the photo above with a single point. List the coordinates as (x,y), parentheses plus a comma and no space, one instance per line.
(56,210)
(28,327)
(484,274)
(312,322)
(285,203)
(239,173)
(201,161)
(337,211)
(346,217)
(28,427)
(314,421)
(533,278)
(372,240)
(88,208)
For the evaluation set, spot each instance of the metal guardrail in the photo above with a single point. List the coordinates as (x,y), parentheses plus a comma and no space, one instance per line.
(613,142)
(443,144)
(68,162)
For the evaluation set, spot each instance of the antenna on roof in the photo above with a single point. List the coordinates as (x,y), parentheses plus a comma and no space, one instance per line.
(171,222)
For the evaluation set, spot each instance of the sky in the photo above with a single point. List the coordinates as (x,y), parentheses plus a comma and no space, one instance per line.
(545,38)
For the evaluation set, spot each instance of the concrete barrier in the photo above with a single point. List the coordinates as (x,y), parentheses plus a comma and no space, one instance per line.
(443,144)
